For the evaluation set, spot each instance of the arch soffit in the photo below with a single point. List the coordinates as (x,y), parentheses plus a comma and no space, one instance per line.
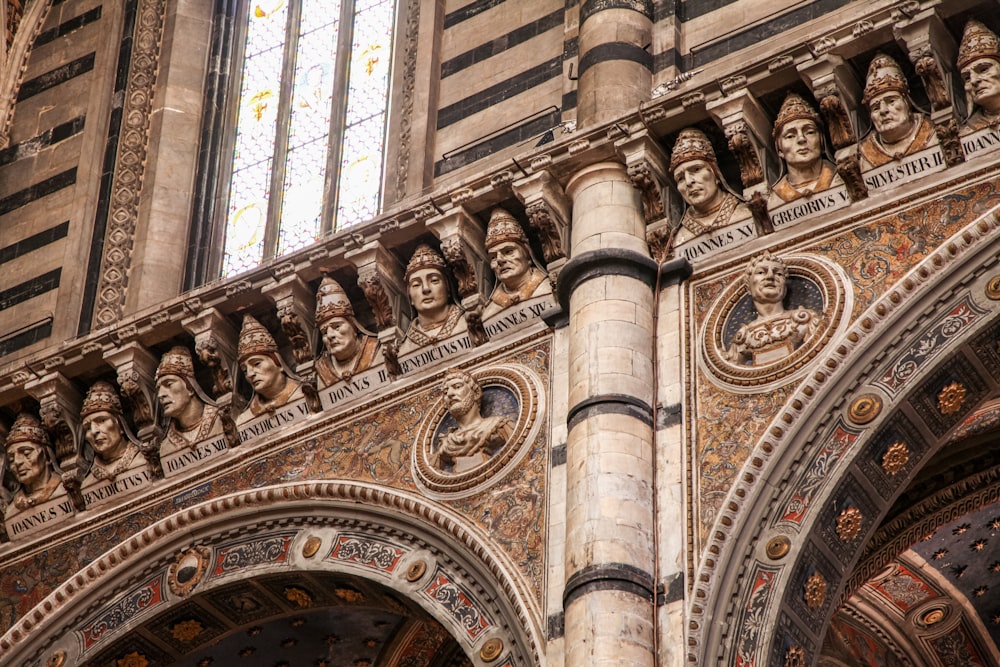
(812,448)
(447,544)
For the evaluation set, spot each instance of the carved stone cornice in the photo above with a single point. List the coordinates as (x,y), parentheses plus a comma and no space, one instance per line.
(463,246)
(116,262)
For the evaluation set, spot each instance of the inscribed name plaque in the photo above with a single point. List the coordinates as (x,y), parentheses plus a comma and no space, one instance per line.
(182,459)
(909,168)
(123,484)
(716,240)
(821,202)
(31,519)
(982,142)
(357,387)
(286,415)
(433,354)
(517,317)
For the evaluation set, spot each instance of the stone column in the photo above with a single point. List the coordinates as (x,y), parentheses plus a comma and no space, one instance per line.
(615,63)
(607,289)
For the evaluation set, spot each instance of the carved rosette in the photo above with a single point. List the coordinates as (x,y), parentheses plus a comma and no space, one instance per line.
(516,382)
(951,398)
(895,458)
(821,280)
(815,590)
(849,524)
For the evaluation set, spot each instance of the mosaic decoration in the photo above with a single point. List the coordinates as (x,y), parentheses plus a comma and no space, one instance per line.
(459,603)
(127,609)
(293,127)
(812,284)
(362,550)
(507,391)
(874,257)
(272,549)
(955,322)
(836,444)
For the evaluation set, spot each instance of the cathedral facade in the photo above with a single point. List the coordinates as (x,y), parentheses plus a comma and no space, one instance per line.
(605,332)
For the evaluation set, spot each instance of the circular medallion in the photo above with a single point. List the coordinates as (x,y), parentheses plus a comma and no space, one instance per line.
(311,547)
(993,288)
(416,570)
(748,347)
(932,617)
(865,408)
(491,650)
(778,547)
(188,569)
(459,459)
(57,659)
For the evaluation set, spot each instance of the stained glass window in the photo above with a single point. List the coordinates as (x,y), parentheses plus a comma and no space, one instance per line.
(310,128)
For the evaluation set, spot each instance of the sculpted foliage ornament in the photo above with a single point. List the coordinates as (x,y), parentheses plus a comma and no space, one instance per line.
(849,524)
(951,398)
(815,591)
(895,458)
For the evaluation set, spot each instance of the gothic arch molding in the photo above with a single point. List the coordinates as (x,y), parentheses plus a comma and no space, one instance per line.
(17,61)
(764,592)
(437,562)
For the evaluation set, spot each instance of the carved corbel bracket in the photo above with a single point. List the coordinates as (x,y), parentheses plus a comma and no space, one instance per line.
(136,368)
(59,409)
(296,304)
(380,277)
(215,344)
(463,246)
(646,163)
(838,91)
(932,50)
(548,209)
(748,132)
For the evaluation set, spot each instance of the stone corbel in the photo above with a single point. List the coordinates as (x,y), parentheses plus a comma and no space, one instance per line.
(380,277)
(296,304)
(59,409)
(838,92)
(932,50)
(215,343)
(463,245)
(646,163)
(548,209)
(136,368)
(748,132)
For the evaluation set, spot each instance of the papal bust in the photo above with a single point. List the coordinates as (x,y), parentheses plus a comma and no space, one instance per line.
(518,279)
(776,331)
(476,438)
(29,458)
(260,362)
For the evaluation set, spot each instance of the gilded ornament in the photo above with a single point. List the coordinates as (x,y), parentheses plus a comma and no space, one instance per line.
(491,650)
(57,659)
(133,659)
(188,569)
(298,596)
(186,631)
(815,591)
(865,408)
(778,547)
(951,398)
(993,288)
(348,595)
(311,547)
(849,524)
(795,657)
(416,570)
(932,617)
(895,458)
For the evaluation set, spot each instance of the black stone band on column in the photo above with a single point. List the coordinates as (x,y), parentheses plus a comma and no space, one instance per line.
(675,271)
(609,51)
(609,577)
(619,404)
(591,7)
(604,262)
